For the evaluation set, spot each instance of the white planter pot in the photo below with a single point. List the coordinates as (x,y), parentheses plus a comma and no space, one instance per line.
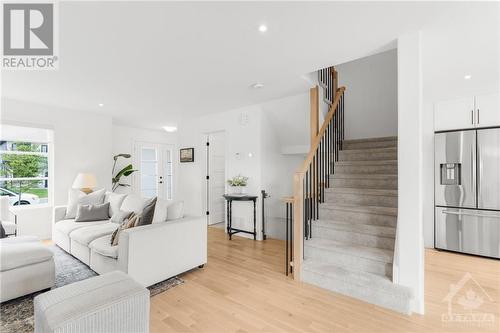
(238,189)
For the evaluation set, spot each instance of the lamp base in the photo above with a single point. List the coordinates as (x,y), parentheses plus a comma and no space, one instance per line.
(86,190)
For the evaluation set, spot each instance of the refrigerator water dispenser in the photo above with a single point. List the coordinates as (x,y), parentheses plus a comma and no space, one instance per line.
(450,173)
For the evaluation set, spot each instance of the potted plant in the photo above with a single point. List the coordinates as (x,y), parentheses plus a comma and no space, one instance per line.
(238,184)
(126,171)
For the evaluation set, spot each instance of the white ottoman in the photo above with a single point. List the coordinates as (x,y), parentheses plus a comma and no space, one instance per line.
(111,302)
(26,266)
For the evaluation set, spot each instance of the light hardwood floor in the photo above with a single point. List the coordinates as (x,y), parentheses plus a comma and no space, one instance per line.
(243,289)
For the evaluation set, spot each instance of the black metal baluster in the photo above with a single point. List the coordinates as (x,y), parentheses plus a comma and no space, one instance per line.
(310,199)
(286,250)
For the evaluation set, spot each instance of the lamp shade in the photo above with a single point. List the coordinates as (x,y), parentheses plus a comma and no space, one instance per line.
(85,181)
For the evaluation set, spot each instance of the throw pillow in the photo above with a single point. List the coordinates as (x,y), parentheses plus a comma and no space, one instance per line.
(147,213)
(2,231)
(133,203)
(175,210)
(85,213)
(77,197)
(130,223)
(160,214)
(115,201)
(120,216)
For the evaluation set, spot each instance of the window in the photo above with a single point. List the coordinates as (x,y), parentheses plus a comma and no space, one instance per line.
(24,171)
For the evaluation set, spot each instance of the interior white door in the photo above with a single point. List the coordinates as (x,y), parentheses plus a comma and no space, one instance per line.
(155,166)
(455,114)
(488,110)
(216,182)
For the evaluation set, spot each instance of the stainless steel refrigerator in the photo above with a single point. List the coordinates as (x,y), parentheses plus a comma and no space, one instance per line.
(467,191)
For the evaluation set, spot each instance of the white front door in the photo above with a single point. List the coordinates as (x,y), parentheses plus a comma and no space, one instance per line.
(155,164)
(216,181)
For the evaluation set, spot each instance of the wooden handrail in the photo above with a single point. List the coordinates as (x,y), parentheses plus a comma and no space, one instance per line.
(314,145)
(313,195)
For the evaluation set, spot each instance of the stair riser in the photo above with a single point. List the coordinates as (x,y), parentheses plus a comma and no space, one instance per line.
(369,144)
(350,155)
(395,302)
(361,199)
(353,238)
(389,169)
(357,217)
(347,260)
(389,183)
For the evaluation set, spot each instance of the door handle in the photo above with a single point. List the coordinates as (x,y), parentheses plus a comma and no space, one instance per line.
(470,214)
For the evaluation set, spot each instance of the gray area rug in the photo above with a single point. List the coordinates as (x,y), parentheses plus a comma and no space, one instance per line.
(17,315)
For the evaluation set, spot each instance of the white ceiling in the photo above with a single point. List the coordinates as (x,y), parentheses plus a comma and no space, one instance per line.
(151,63)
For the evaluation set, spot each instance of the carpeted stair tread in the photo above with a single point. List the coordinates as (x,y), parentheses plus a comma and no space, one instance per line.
(368,229)
(368,162)
(371,288)
(363,176)
(364,209)
(372,253)
(364,191)
(371,150)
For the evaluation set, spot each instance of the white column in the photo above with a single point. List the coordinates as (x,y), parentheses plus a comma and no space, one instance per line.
(409,252)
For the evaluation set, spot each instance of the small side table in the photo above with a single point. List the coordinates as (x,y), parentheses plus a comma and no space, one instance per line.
(230,198)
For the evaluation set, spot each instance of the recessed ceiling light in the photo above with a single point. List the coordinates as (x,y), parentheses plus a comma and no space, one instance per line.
(170,128)
(258,85)
(101,105)
(262,28)
(468,77)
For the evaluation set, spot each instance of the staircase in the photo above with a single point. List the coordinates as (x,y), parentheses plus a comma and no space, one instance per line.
(349,247)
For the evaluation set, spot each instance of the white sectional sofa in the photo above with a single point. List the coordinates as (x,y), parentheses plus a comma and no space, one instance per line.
(149,254)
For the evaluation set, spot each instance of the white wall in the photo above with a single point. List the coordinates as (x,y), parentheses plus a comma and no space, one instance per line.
(277,175)
(409,249)
(124,140)
(370,96)
(82,143)
(242,128)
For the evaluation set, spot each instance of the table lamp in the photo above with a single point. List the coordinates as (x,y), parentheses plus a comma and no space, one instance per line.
(85,182)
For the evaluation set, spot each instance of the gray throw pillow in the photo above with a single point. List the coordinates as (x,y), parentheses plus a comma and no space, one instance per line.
(85,213)
(120,216)
(147,213)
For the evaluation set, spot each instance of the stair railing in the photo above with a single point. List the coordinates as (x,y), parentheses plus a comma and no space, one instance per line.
(313,176)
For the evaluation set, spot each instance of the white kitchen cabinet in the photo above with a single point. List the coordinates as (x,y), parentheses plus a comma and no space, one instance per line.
(488,110)
(455,114)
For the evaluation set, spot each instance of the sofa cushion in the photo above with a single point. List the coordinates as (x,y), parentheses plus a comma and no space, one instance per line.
(77,197)
(67,226)
(14,255)
(86,213)
(133,203)
(115,201)
(103,247)
(86,235)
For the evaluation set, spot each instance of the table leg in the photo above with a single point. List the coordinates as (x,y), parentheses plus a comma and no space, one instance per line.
(230,219)
(254,221)
(227,216)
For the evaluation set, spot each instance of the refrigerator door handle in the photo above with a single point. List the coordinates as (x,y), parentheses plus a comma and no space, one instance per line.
(479,176)
(470,214)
